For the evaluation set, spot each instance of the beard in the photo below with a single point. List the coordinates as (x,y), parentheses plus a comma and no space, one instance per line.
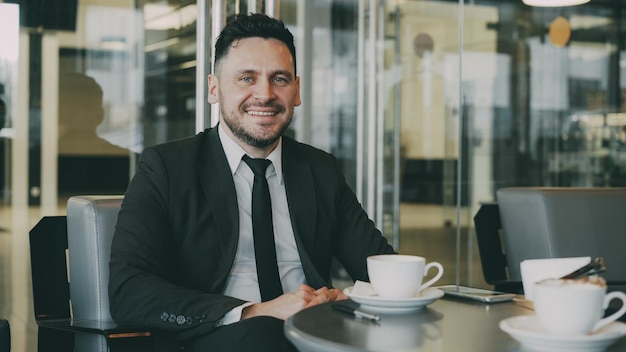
(246,135)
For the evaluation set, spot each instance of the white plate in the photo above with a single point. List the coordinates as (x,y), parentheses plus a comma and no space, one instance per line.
(378,304)
(527,330)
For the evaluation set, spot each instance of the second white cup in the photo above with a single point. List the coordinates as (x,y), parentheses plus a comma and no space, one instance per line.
(570,307)
(400,276)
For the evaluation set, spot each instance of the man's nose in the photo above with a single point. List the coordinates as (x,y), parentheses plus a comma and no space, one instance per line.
(264,90)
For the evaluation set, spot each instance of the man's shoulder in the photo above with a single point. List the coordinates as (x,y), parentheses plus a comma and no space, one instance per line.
(187,147)
(178,153)
(305,151)
(183,143)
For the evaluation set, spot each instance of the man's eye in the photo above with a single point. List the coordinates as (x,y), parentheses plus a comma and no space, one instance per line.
(246,79)
(280,81)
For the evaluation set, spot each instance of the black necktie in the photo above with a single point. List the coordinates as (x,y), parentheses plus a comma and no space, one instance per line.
(263,232)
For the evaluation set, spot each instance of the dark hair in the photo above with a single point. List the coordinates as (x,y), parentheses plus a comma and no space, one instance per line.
(249,26)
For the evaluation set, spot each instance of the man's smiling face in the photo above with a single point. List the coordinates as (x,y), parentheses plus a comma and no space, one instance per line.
(257,89)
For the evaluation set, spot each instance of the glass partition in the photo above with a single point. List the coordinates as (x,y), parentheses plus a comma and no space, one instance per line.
(169,76)
(542,96)
(9,49)
(520,96)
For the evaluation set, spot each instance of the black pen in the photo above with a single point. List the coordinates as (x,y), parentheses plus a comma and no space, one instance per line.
(357,313)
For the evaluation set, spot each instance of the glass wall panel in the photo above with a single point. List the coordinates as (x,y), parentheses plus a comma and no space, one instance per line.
(99,100)
(422,114)
(542,96)
(9,49)
(523,96)
(170,69)
(563,77)
(104,79)
(83,92)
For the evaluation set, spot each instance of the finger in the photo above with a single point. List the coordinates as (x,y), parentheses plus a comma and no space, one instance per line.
(338,294)
(317,300)
(306,296)
(341,296)
(329,294)
(321,290)
(306,288)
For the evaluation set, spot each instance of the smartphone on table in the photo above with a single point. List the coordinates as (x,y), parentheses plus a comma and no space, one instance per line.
(477,294)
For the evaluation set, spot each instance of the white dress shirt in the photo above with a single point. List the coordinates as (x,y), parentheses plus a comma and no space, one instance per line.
(242,281)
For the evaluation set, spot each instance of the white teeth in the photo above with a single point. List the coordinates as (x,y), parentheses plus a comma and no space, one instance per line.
(261,113)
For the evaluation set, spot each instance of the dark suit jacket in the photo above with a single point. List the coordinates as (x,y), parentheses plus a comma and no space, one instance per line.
(178,228)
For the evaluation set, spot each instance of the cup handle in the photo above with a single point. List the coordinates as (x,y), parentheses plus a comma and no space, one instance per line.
(611,318)
(437,277)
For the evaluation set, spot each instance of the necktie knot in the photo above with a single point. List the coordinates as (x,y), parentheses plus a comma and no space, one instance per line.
(258,166)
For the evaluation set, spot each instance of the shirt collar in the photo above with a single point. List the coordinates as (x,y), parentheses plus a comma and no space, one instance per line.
(234,153)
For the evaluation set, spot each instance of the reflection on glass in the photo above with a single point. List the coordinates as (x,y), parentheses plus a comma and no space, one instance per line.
(87,162)
(9,48)
(170,68)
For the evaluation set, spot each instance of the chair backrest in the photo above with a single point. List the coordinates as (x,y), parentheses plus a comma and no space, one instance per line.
(564,222)
(492,259)
(84,236)
(492,256)
(48,245)
(5,336)
(487,225)
(90,226)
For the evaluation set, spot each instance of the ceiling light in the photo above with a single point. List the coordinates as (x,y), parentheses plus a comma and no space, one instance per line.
(554,3)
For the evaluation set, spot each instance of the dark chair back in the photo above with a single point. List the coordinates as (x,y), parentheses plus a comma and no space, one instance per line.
(490,247)
(5,336)
(51,288)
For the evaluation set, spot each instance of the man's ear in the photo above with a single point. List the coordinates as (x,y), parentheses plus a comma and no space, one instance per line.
(298,101)
(213,90)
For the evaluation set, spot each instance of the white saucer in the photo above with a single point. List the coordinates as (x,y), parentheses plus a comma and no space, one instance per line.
(376,304)
(527,330)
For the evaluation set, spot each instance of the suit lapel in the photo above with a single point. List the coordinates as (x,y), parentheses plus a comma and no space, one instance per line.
(219,189)
(300,189)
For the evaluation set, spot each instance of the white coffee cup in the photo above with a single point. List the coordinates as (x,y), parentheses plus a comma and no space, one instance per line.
(574,307)
(400,276)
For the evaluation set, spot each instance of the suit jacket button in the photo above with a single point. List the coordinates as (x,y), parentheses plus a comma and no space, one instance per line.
(172,318)
(164,316)
(180,320)
(189,320)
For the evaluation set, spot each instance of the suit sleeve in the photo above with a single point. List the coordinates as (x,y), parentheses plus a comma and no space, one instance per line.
(357,235)
(142,289)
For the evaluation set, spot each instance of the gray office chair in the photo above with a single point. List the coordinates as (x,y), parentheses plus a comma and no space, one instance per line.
(565,222)
(85,234)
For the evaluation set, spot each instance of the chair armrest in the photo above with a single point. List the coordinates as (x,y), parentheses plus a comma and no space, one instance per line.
(108,329)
